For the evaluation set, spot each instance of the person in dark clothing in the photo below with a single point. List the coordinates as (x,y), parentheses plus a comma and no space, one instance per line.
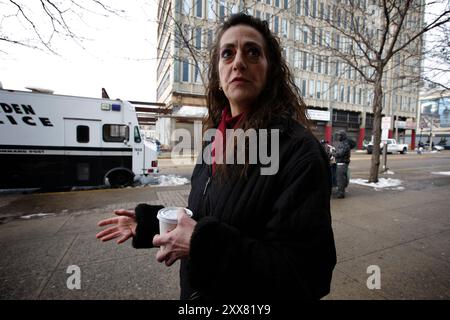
(342,156)
(329,149)
(252,235)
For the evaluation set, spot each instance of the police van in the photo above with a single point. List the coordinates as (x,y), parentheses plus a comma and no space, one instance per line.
(49,140)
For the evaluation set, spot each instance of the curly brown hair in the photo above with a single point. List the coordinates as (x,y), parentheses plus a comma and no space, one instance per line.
(279,98)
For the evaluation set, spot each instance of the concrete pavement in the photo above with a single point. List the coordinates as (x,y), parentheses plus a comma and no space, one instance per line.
(405,233)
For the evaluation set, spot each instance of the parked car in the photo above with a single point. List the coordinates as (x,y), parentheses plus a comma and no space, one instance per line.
(436,147)
(392,146)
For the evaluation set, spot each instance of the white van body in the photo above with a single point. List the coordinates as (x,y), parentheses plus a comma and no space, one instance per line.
(49,140)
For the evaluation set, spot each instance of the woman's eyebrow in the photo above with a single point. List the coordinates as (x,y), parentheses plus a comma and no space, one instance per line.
(246,44)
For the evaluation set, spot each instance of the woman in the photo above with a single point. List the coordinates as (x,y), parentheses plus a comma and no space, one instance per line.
(251,235)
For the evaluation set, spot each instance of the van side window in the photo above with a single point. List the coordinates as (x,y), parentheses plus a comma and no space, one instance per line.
(115,132)
(83,134)
(137,135)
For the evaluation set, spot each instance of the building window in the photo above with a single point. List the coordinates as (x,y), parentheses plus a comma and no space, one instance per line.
(319,64)
(348,94)
(306,8)
(211,10)
(311,62)
(275,24)
(297,59)
(176,70)
(314,8)
(305,60)
(115,132)
(311,88)
(186,7)
(284,27)
(298,7)
(222,9)
(210,39)
(187,34)
(305,34)
(298,32)
(342,92)
(318,88)
(277,3)
(198,8)
(185,75)
(354,95)
(335,92)
(198,38)
(82,134)
(325,62)
(303,88)
(286,4)
(328,13)
(325,91)
(197,75)
(313,35)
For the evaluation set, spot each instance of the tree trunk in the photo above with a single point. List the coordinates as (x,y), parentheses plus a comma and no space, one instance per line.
(376,131)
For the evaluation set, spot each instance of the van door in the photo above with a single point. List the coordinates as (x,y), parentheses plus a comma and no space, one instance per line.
(83,143)
(138,151)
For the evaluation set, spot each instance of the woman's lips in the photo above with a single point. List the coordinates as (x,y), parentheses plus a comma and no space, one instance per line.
(239,80)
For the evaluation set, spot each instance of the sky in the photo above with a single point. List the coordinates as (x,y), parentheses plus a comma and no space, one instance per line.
(119,55)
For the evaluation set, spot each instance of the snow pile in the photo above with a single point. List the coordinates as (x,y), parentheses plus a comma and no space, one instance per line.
(172,180)
(162,180)
(389,172)
(383,183)
(444,173)
(37,215)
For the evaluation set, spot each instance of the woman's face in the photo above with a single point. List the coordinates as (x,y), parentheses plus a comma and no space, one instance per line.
(242,66)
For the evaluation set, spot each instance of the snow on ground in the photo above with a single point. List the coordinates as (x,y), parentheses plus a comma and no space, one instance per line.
(389,172)
(383,183)
(162,180)
(445,173)
(37,215)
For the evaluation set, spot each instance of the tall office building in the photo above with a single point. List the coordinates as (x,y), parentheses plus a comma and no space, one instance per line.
(336,95)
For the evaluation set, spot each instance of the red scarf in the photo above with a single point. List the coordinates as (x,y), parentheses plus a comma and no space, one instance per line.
(227,122)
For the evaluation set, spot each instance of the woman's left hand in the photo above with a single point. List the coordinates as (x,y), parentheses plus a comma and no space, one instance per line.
(176,242)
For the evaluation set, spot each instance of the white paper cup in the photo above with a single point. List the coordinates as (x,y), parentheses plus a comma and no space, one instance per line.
(168,218)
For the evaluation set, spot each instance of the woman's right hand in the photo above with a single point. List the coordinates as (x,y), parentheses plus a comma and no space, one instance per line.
(124,226)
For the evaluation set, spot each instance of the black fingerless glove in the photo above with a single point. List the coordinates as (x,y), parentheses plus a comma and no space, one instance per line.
(147,225)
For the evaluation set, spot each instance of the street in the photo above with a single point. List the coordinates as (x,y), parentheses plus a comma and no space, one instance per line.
(401,234)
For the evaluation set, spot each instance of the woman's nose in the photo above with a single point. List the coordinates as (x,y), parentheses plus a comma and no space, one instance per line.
(239,62)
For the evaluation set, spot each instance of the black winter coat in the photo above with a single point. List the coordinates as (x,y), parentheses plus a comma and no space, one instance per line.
(264,237)
(342,151)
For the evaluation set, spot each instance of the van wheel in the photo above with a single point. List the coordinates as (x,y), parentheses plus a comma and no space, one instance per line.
(403,151)
(120,179)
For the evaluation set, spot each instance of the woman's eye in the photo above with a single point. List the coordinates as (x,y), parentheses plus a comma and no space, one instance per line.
(226,53)
(254,52)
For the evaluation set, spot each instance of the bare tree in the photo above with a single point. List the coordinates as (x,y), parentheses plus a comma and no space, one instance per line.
(437,57)
(374,39)
(36,24)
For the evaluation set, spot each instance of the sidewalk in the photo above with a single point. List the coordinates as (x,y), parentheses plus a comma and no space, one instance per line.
(404,233)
